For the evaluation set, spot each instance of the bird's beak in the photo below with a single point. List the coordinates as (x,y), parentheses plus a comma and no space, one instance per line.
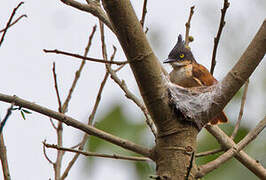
(169,60)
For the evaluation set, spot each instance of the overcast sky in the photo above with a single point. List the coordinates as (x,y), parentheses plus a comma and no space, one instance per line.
(25,70)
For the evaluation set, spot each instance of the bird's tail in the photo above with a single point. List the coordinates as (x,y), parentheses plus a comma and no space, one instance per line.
(219,119)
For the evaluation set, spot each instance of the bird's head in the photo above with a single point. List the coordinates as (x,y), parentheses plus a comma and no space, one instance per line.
(180,55)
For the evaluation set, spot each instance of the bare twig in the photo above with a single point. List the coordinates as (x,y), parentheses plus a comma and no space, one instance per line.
(3,122)
(77,74)
(94,154)
(58,163)
(119,68)
(217,38)
(190,166)
(45,154)
(234,150)
(93,8)
(59,131)
(53,124)
(85,137)
(135,99)
(84,58)
(206,153)
(14,22)
(9,22)
(56,89)
(3,156)
(98,98)
(123,86)
(188,25)
(144,12)
(243,101)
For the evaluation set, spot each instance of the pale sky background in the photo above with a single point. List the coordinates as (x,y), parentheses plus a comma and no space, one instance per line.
(26,71)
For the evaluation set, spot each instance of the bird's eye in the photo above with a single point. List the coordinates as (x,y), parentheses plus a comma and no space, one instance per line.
(181,55)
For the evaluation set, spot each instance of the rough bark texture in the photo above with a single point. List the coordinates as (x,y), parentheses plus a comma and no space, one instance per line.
(176,139)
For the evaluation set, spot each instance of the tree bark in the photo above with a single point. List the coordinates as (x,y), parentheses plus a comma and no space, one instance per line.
(176,138)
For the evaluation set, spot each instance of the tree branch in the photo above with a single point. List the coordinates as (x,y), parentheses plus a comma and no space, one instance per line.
(94,154)
(92,7)
(224,91)
(84,58)
(56,89)
(217,38)
(3,156)
(76,124)
(243,101)
(206,153)
(152,85)
(188,25)
(9,22)
(13,23)
(144,12)
(236,150)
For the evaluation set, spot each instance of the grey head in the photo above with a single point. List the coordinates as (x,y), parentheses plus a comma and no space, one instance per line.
(180,55)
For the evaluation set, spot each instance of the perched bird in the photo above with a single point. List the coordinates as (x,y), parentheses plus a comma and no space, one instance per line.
(188,73)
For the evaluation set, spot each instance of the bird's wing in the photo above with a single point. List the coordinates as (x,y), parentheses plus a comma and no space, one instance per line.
(202,74)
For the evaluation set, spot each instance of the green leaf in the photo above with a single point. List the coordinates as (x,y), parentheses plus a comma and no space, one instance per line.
(26,111)
(23,115)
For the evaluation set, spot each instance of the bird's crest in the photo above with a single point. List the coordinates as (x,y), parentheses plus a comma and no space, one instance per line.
(179,49)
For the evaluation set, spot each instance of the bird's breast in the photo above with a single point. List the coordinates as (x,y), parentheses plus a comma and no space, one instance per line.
(183,76)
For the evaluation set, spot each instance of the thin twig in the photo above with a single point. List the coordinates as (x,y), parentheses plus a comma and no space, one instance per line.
(85,137)
(204,169)
(3,155)
(206,153)
(14,22)
(132,97)
(243,101)
(92,7)
(59,131)
(56,89)
(3,158)
(217,38)
(188,25)
(75,146)
(94,154)
(119,68)
(9,22)
(123,86)
(78,72)
(8,113)
(53,124)
(190,166)
(84,58)
(58,163)
(144,12)
(45,154)
(77,75)
(98,98)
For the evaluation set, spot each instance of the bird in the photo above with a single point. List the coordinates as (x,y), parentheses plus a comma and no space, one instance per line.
(188,73)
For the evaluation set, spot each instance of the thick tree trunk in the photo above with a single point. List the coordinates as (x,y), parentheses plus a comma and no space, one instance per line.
(175,140)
